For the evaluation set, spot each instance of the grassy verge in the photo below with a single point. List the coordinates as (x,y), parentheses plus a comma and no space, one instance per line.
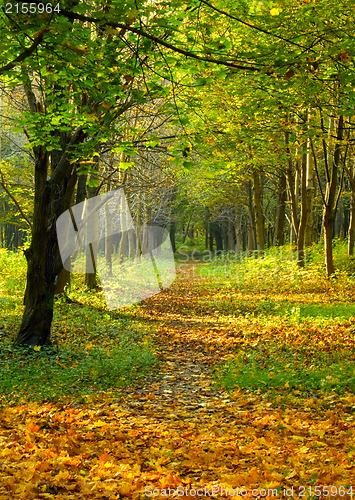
(93,350)
(281,369)
(296,329)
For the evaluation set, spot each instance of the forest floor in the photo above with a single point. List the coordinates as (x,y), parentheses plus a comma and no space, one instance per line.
(177,433)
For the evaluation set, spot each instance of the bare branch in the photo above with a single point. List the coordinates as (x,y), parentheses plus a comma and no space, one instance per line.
(3,185)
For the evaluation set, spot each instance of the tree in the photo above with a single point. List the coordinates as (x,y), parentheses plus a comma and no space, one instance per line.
(77,87)
(84,67)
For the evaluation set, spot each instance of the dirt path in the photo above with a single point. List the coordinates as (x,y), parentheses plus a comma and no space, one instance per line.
(186,349)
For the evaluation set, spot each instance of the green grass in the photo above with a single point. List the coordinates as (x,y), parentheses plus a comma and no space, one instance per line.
(55,375)
(93,350)
(295,327)
(282,369)
(343,311)
(279,308)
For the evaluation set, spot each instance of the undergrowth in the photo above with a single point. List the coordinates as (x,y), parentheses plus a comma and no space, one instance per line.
(93,350)
(297,327)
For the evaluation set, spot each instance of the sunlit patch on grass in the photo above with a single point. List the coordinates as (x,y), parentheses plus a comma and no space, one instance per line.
(298,329)
(93,349)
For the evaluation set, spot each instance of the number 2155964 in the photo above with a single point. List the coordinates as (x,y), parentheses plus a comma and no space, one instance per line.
(31,8)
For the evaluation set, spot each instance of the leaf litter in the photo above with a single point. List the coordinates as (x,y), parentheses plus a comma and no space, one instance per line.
(177,429)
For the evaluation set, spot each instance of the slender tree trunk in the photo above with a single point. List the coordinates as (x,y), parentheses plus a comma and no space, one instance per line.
(218,236)
(304,212)
(92,248)
(328,240)
(251,241)
(280,211)
(251,224)
(231,236)
(259,219)
(351,230)
(238,231)
(210,237)
(330,198)
(309,196)
(108,241)
(292,188)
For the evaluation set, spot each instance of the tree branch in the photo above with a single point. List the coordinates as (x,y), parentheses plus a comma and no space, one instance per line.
(252,26)
(160,41)
(26,53)
(62,166)
(3,184)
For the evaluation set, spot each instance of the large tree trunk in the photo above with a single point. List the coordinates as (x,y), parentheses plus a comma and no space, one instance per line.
(43,259)
(39,294)
(52,197)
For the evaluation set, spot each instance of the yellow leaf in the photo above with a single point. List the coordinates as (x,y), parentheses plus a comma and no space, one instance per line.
(275,11)
(291,475)
(99,423)
(37,348)
(125,488)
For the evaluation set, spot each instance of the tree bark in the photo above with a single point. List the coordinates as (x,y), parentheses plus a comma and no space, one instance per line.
(330,198)
(251,225)
(292,187)
(51,199)
(92,248)
(238,231)
(39,294)
(280,211)
(304,212)
(351,230)
(259,219)
(309,196)
(231,236)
